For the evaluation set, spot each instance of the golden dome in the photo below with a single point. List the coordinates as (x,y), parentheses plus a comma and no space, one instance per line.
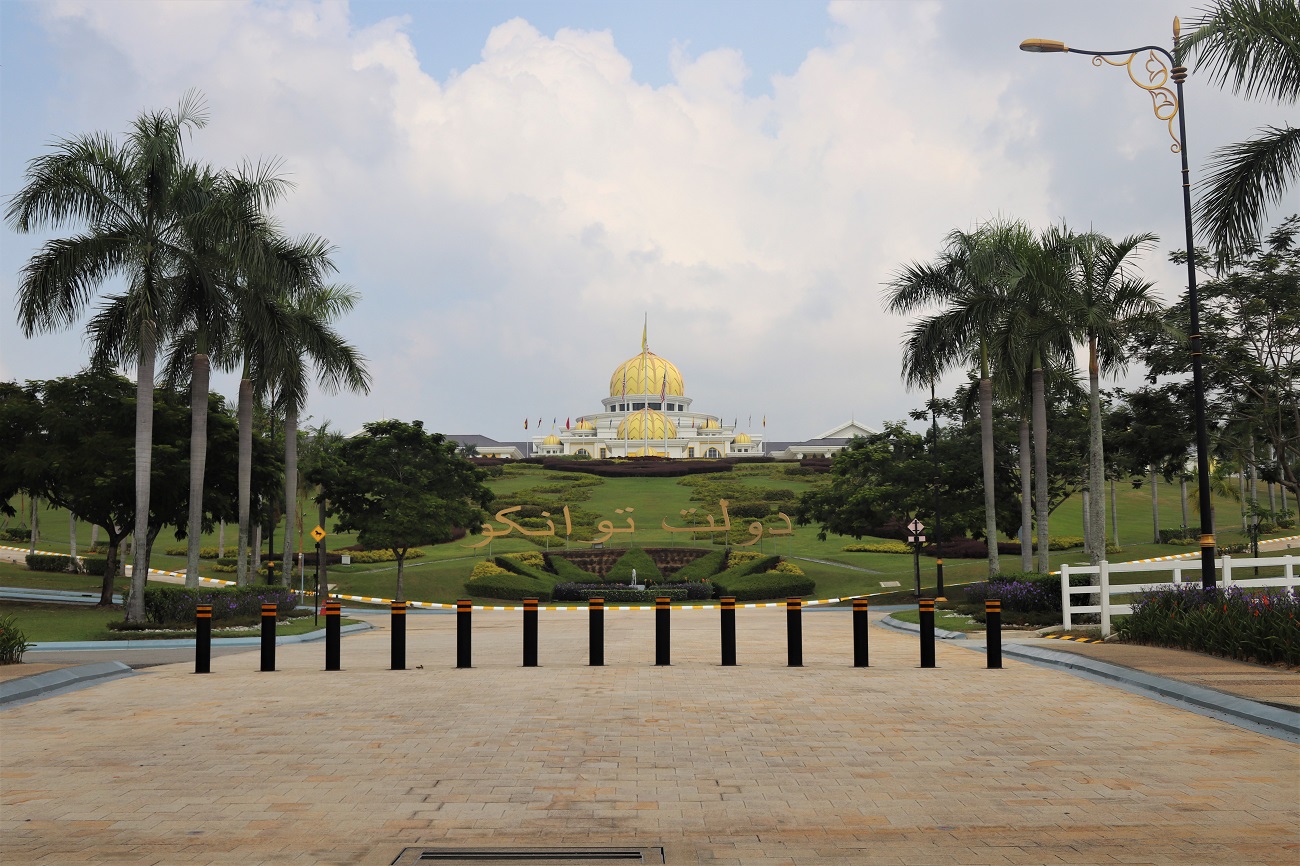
(646,424)
(742,439)
(645,375)
(551,440)
(711,424)
(584,424)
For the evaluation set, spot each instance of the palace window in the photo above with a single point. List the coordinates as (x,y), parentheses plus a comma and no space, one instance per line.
(582,452)
(712,452)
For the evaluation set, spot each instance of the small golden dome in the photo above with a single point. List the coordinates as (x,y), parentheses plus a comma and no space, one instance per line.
(646,424)
(551,440)
(584,424)
(742,439)
(645,375)
(711,424)
(642,452)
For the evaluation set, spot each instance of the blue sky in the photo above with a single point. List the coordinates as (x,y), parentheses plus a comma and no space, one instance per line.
(512,185)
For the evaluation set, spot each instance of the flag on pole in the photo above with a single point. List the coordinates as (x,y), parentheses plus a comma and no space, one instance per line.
(663,389)
(751,421)
(764,420)
(566,423)
(643,327)
(525,423)
(539,423)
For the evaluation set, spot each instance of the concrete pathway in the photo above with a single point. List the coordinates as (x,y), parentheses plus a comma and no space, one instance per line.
(759,764)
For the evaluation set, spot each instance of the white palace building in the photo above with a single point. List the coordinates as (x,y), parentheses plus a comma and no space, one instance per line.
(647,413)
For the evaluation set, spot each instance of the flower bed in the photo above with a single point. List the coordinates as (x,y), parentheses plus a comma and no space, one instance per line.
(1260,626)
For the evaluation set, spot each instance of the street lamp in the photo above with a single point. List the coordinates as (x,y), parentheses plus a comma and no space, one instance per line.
(1156,69)
(938,523)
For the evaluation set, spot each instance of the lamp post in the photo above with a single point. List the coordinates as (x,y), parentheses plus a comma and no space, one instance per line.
(1157,68)
(938,523)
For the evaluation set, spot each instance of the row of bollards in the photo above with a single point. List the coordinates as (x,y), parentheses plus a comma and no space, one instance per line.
(596,634)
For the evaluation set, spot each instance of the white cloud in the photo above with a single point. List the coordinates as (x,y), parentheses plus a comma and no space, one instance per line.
(508,226)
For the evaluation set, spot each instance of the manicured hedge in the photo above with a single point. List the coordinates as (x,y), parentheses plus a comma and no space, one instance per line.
(704,567)
(174,605)
(677,592)
(568,572)
(50,562)
(523,569)
(95,565)
(512,587)
(744,569)
(636,558)
(763,586)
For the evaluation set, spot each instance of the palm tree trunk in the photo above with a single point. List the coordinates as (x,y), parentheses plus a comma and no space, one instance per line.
(94,536)
(257,553)
(986,449)
(72,536)
(1096,462)
(290,487)
(1026,499)
(401,582)
(1155,506)
(143,465)
(111,567)
(245,477)
(1087,518)
(221,539)
(1254,473)
(1040,465)
(1241,496)
(200,376)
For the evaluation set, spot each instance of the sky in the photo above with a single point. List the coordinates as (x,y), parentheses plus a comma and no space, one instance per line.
(515,187)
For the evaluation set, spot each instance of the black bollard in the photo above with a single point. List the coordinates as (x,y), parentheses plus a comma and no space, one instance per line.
(993,631)
(397,622)
(596,630)
(927,632)
(530,632)
(729,632)
(333,636)
(203,639)
(861,622)
(663,631)
(794,632)
(268,637)
(462,633)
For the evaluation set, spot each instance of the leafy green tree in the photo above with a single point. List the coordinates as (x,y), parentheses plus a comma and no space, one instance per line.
(399,487)
(20,409)
(1252,46)
(138,201)
(1250,319)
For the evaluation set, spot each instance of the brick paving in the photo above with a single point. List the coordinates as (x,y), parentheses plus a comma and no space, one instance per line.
(759,764)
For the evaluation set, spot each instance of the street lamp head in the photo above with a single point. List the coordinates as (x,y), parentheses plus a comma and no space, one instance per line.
(1043,46)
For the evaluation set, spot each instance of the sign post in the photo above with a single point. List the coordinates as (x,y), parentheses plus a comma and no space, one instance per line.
(319,535)
(916,539)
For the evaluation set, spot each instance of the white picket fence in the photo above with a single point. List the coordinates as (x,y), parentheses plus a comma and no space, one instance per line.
(1187,571)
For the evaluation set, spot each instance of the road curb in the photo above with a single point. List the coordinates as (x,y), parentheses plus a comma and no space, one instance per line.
(900,625)
(78,676)
(1253,712)
(186,643)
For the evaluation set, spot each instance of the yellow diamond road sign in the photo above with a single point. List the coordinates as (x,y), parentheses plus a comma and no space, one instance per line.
(318,534)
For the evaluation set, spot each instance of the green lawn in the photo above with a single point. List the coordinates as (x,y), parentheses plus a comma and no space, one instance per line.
(64,622)
(440,574)
(944,619)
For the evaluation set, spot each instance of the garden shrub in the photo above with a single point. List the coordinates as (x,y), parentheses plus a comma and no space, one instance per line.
(1260,626)
(94,565)
(204,552)
(736,557)
(646,570)
(1028,598)
(879,547)
(172,606)
(483,568)
(51,562)
(530,558)
(742,569)
(704,567)
(568,572)
(365,557)
(510,586)
(749,510)
(523,569)
(622,595)
(16,534)
(754,587)
(13,643)
(786,567)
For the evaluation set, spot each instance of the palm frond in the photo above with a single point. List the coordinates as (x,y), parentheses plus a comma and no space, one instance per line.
(1244,179)
(1253,46)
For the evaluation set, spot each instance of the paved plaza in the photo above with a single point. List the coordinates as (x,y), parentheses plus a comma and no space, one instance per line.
(757,764)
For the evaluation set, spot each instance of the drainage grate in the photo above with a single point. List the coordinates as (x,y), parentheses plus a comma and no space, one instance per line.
(551,856)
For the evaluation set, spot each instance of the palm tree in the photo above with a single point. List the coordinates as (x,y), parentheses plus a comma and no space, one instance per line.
(138,201)
(1108,298)
(338,365)
(1252,46)
(1037,339)
(970,285)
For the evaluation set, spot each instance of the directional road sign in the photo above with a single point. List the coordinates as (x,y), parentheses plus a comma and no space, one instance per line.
(916,526)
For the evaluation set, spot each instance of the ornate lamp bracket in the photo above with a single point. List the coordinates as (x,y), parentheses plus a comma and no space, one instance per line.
(1150,69)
